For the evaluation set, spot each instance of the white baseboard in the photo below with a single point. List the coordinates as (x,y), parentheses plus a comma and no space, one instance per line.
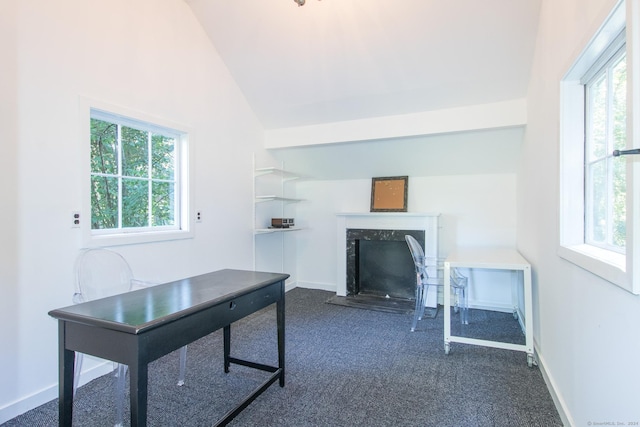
(41,397)
(477,304)
(321,286)
(491,306)
(47,394)
(290,285)
(551,386)
(28,403)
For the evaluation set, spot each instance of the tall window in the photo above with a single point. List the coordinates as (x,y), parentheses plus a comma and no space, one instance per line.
(598,114)
(137,181)
(606,131)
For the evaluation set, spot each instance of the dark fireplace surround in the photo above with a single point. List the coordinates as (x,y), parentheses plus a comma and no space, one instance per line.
(379,265)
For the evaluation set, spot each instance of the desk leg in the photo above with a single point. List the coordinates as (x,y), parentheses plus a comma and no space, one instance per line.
(66,361)
(528,314)
(280,319)
(226,338)
(138,376)
(447,307)
(515,296)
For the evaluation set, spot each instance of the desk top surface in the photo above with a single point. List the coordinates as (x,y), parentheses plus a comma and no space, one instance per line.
(144,309)
(506,258)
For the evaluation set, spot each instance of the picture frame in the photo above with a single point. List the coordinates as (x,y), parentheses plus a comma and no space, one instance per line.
(389,194)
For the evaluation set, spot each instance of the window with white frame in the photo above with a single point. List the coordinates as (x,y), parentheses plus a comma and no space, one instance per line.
(596,209)
(606,131)
(138,180)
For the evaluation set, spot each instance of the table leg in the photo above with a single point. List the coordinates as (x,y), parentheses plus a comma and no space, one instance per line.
(447,307)
(66,362)
(226,338)
(515,297)
(280,320)
(138,377)
(528,314)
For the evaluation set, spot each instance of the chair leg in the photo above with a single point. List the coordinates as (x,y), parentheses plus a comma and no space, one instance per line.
(423,303)
(121,377)
(76,372)
(464,307)
(456,299)
(183,365)
(419,302)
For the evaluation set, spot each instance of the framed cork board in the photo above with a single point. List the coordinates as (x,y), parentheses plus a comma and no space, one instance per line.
(389,194)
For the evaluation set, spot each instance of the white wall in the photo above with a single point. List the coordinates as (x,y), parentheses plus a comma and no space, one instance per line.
(476,210)
(275,252)
(9,303)
(586,329)
(146,55)
(469,178)
(462,119)
(151,55)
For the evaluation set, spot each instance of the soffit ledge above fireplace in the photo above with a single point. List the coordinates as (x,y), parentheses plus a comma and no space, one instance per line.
(398,214)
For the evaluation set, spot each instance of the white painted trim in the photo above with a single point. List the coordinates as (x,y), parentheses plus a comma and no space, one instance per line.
(633,166)
(559,402)
(187,170)
(600,262)
(478,305)
(290,285)
(49,393)
(331,287)
(608,265)
(491,306)
(476,117)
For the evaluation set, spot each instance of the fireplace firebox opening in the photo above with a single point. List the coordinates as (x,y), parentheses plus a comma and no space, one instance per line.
(380,270)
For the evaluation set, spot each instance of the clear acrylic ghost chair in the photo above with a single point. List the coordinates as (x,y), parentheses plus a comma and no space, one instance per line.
(101,273)
(424,281)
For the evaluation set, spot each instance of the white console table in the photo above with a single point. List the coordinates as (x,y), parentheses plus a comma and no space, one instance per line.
(497,259)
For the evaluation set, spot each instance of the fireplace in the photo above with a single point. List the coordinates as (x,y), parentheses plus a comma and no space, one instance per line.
(374,265)
(379,263)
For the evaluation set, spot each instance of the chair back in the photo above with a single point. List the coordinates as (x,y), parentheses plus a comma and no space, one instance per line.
(416,253)
(101,273)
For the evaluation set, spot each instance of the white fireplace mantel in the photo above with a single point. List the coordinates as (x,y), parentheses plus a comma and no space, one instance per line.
(382,221)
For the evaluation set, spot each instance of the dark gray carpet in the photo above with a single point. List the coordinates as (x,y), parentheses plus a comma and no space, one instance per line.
(345,367)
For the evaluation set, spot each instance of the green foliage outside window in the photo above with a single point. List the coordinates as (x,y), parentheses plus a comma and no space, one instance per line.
(606,175)
(132,177)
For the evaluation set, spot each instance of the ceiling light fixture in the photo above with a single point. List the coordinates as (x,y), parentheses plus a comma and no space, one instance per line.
(300,2)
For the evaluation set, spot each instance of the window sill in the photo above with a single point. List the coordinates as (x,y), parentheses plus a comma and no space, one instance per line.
(93,240)
(609,265)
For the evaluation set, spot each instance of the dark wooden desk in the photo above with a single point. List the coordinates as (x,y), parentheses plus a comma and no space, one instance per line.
(141,326)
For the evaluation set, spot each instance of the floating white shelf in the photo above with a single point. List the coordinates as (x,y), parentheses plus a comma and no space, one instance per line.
(274,197)
(275,230)
(286,176)
(270,198)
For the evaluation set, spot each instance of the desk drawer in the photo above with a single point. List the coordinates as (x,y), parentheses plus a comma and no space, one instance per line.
(159,341)
(244,305)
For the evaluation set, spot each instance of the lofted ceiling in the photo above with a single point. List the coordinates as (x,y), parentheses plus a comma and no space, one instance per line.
(336,60)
